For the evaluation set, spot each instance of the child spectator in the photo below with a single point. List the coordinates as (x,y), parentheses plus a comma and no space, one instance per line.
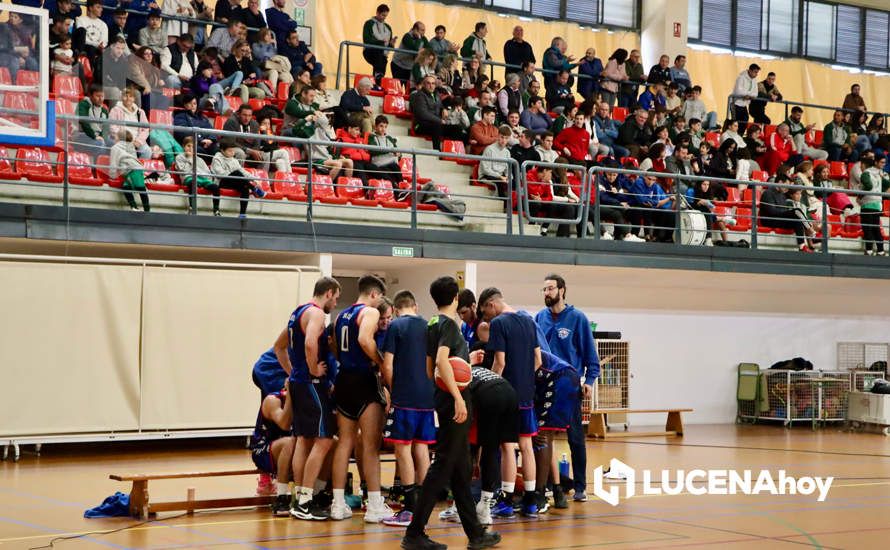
(63,58)
(207,89)
(361,158)
(232,176)
(187,164)
(384,163)
(127,111)
(125,164)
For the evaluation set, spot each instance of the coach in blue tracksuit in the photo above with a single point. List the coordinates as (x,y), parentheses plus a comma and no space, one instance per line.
(567,331)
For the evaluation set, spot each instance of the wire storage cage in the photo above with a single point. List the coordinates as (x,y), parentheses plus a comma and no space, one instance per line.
(862,356)
(610,390)
(863,380)
(803,396)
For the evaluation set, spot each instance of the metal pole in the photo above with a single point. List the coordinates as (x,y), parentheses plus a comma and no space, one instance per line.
(754,220)
(193,188)
(67,149)
(825,231)
(413,190)
(597,215)
(309,181)
(586,194)
(677,200)
(339,64)
(509,204)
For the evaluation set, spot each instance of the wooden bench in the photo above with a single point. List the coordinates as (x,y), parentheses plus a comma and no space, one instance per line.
(141,508)
(597,426)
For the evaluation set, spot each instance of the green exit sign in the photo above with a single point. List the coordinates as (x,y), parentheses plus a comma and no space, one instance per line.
(403,251)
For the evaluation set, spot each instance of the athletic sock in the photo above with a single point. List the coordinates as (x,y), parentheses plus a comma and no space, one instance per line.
(508,487)
(529,485)
(374,498)
(319,486)
(305,495)
(340,496)
(410,494)
(282,488)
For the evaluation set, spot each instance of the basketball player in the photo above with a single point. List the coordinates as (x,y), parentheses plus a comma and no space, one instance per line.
(299,349)
(271,445)
(568,334)
(359,399)
(466,308)
(556,397)
(452,462)
(269,377)
(513,338)
(410,425)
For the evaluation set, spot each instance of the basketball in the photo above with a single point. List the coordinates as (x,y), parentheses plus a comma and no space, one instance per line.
(462,374)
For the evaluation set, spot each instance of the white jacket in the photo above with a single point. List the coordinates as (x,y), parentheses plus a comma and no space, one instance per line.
(744,86)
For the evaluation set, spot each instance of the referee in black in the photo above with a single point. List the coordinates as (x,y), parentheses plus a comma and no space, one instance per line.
(452,463)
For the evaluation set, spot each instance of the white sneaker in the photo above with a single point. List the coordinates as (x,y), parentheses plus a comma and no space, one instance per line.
(709,242)
(614,475)
(340,511)
(631,238)
(449,514)
(377,512)
(483,512)
(607,236)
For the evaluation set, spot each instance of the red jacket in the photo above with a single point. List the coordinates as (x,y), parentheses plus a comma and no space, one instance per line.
(539,188)
(576,140)
(350,152)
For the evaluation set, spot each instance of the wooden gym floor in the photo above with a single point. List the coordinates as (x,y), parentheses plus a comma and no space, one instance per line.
(44,497)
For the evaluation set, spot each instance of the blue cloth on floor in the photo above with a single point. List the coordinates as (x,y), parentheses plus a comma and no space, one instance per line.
(117,505)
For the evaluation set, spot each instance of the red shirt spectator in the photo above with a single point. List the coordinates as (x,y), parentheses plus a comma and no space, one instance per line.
(574,142)
(779,148)
(353,136)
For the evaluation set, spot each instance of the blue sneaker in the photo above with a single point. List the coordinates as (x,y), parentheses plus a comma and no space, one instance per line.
(258,192)
(502,510)
(530,510)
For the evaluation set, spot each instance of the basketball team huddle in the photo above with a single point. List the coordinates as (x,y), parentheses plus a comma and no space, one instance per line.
(477,383)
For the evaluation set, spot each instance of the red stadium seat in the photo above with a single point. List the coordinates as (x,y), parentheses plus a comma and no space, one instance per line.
(837,170)
(21,101)
(457,147)
(27,78)
(5,76)
(262,180)
(353,190)
(759,175)
(158,116)
(632,160)
(157,165)
(289,185)
(35,164)
(743,219)
(733,197)
(406,164)
(234,102)
(358,78)
(747,194)
(218,122)
(103,162)
(6,171)
(169,93)
(852,228)
(256,104)
(80,171)
(67,86)
(392,86)
(397,106)
(323,191)
(619,114)
(384,194)
(713,138)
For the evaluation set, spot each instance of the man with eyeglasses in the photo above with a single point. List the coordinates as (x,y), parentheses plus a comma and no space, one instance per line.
(568,334)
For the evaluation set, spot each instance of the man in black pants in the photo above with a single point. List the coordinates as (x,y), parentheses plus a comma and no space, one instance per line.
(452,462)
(426,107)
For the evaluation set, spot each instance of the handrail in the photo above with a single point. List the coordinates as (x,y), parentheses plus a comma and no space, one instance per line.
(525,201)
(732,97)
(346,44)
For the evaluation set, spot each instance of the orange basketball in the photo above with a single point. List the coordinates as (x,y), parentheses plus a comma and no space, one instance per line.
(462,374)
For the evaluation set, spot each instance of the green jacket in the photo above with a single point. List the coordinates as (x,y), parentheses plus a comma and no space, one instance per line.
(168,145)
(828,136)
(560,124)
(368,33)
(873,181)
(92,129)
(295,117)
(468,50)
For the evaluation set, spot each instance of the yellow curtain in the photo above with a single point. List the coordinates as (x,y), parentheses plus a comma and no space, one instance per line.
(799,80)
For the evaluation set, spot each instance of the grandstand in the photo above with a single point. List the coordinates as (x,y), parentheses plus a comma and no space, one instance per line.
(162,274)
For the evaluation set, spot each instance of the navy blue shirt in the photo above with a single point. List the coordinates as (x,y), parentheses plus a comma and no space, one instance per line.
(352,356)
(296,346)
(406,340)
(515,334)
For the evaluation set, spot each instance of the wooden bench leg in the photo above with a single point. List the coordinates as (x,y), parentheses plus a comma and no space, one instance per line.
(138,498)
(674,423)
(597,425)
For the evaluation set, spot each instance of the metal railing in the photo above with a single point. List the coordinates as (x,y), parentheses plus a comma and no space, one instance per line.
(789,104)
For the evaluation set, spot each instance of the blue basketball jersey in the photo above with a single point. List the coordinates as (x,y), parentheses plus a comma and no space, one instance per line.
(352,356)
(296,348)
(266,431)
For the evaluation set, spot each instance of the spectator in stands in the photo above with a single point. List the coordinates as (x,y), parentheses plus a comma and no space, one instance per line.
(573,142)
(559,94)
(224,38)
(118,27)
(877,132)
(509,97)
(672,100)
(115,68)
(701,197)
(252,17)
(456,114)
(426,107)
(326,101)
(274,67)
(207,89)
(874,180)
(225,10)
(653,96)
(301,114)
(524,149)
(361,158)
(23,41)
(731,131)
(492,169)
(321,154)
(228,169)
(629,91)
(723,164)
(526,77)
(533,90)
(279,22)
(854,101)
(656,159)
(474,45)
(179,61)
(775,212)
(755,146)
(250,149)
(552,199)
(635,135)
(64,7)
(766,91)
(186,166)
(836,139)
(780,150)
(858,130)
(486,99)
(424,65)
(296,51)
(799,132)
(203,12)
(375,32)
(858,167)
(555,61)
(660,72)
(655,208)
(355,103)
(153,36)
(517,52)
(93,134)
(745,90)
(679,75)
(607,130)
(614,205)
(545,148)
(589,71)
(413,42)
(239,61)
(448,74)
(384,163)
(613,74)
(63,58)
(124,164)
(440,45)
(484,132)
(681,162)
(470,74)
(191,117)
(177,8)
(694,107)
(90,32)
(535,117)
(126,110)
(515,127)
(696,133)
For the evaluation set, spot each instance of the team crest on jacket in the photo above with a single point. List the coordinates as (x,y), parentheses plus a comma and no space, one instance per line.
(564,333)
